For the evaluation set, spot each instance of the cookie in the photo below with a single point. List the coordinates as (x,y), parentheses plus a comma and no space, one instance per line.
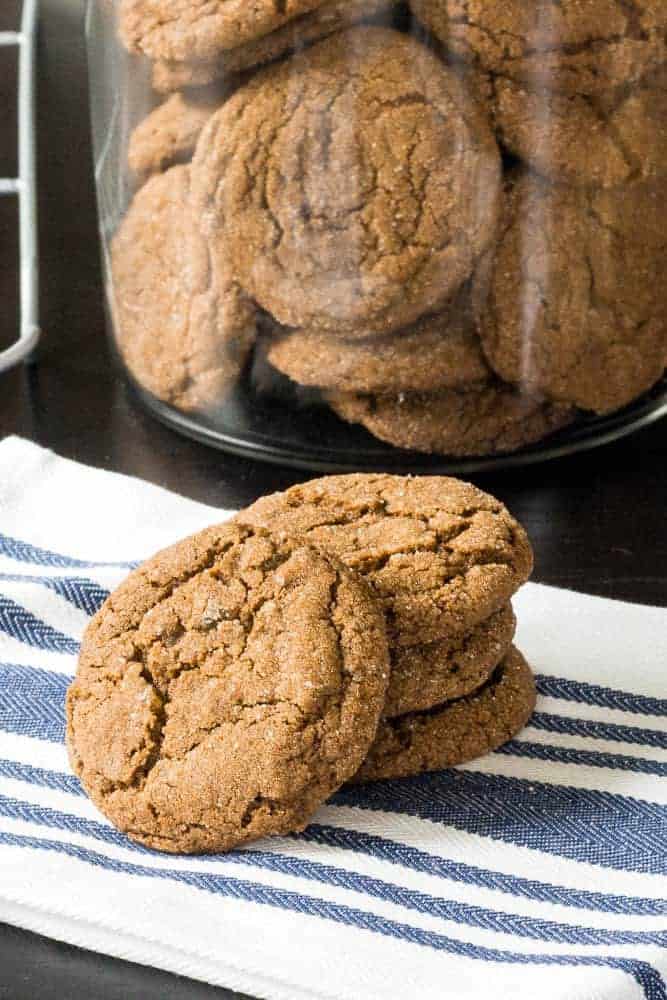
(441,555)
(485,420)
(575,308)
(456,732)
(225,689)
(168,135)
(589,47)
(428,675)
(326,19)
(586,140)
(184,328)
(438,350)
(352,187)
(201,29)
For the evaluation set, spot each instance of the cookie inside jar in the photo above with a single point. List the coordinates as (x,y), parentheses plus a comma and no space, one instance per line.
(367,235)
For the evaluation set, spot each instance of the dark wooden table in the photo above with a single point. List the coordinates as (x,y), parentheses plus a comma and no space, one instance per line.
(597,521)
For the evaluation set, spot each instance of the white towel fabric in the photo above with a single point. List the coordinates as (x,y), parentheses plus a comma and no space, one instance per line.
(539,870)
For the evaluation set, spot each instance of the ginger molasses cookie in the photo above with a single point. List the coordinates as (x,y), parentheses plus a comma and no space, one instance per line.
(430,674)
(353,187)
(576,47)
(457,732)
(185,330)
(440,554)
(225,689)
(599,141)
(442,349)
(168,135)
(484,420)
(329,17)
(201,29)
(576,304)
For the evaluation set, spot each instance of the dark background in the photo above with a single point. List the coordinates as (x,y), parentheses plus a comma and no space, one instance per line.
(597,521)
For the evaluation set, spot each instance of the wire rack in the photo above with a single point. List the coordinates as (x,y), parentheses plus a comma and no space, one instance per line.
(23,187)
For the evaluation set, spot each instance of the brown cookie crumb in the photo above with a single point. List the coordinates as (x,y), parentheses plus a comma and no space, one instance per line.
(456,732)
(184,328)
(441,555)
(352,187)
(225,689)
(428,675)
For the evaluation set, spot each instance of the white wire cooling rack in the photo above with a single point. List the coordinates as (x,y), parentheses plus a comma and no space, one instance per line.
(24,187)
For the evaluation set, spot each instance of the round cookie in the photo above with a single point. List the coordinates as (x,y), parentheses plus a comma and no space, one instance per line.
(457,732)
(575,307)
(184,328)
(375,184)
(604,141)
(438,350)
(201,29)
(441,555)
(168,135)
(575,47)
(487,420)
(326,19)
(225,689)
(427,675)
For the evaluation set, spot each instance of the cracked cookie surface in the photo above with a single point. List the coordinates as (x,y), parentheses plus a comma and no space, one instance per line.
(225,689)
(576,47)
(201,29)
(327,18)
(456,732)
(168,135)
(485,420)
(435,672)
(440,554)
(442,349)
(184,328)
(575,305)
(352,187)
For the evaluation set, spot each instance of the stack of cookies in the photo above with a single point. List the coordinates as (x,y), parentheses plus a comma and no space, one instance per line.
(349,629)
(456,240)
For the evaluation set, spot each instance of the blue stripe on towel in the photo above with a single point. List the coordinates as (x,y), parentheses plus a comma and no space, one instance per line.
(14,548)
(602,697)
(22,625)
(84,594)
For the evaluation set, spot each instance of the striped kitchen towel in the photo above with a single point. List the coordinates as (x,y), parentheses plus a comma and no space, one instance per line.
(540,870)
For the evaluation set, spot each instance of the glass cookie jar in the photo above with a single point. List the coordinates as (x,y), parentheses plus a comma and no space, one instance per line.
(364,234)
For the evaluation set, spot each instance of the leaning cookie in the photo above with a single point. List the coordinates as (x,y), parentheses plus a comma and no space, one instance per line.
(441,555)
(440,350)
(168,135)
(385,211)
(486,420)
(574,308)
(603,141)
(456,732)
(574,47)
(225,690)
(184,328)
(326,19)
(435,672)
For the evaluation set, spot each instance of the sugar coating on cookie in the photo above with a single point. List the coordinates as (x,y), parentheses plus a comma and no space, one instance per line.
(225,689)
(576,47)
(456,732)
(477,420)
(327,18)
(168,135)
(184,328)
(440,554)
(442,349)
(435,672)
(352,187)
(575,308)
(201,29)
(597,141)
